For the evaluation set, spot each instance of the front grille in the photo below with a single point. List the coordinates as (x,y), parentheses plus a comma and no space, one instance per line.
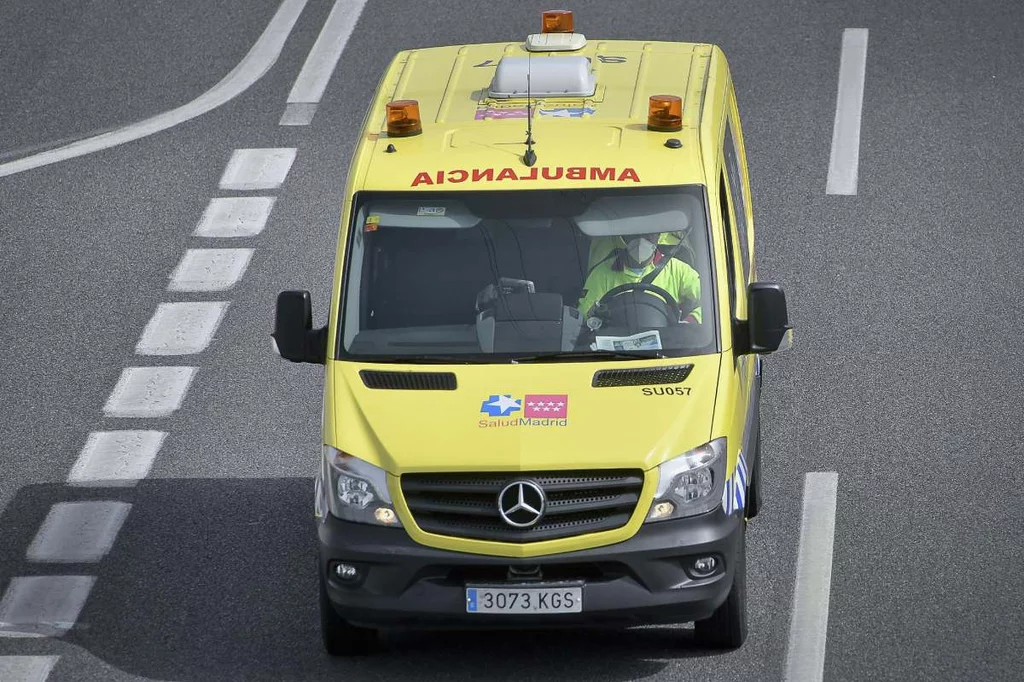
(578,502)
(641,377)
(409,381)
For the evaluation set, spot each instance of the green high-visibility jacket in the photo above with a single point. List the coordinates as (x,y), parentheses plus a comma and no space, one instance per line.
(677,278)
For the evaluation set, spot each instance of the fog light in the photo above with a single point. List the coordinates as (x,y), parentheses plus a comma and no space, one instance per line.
(346,572)
(385,516)
(661,510)
(704,567)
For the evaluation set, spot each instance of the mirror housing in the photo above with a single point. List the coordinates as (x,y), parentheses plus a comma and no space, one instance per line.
(294,336)
(768,324)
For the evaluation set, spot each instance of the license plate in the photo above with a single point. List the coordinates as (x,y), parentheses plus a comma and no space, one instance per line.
(524,600)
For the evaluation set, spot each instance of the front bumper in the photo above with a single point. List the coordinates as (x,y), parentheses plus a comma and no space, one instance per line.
(639,581)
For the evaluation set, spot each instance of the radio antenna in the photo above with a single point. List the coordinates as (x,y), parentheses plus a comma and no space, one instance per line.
(530,157)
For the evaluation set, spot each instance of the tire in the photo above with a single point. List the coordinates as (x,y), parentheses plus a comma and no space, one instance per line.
(340,637)
(727,626)
(754,498)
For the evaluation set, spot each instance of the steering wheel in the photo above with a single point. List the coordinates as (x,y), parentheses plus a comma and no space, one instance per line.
(629,287)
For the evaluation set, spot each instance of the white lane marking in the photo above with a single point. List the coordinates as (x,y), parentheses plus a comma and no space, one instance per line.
(181,328)
(261,57)
(320,64)
(805,659)
(209,269)
(149,391)
(235,217)
(250,169)
(43,606)
(298,114)
(78,532)
(845,158)
(116,458)
(26,668)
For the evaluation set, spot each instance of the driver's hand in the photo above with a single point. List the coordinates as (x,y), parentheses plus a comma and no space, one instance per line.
(486,296)
(690,319)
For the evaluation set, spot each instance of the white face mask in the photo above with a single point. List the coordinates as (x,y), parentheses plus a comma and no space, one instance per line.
(640,249)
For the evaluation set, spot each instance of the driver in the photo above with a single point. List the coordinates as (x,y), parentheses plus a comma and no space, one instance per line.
(638,256)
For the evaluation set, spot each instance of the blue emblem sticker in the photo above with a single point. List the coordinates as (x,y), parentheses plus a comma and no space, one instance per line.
(501,405)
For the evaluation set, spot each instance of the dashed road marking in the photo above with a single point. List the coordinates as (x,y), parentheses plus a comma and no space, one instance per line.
(116,458)
(235,217)
(209,269)
(81,532)
(261,57)
(320,64)
(43,606)
(250,169)
(805,659)
(181,328)
(26,668)
(298,114)
(149,391)
(78,532)
(845,159)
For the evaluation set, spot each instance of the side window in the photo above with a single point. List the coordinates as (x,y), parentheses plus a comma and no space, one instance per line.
(732,164)
(730,256)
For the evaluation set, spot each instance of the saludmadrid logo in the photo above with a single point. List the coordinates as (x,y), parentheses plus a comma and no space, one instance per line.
(506,410)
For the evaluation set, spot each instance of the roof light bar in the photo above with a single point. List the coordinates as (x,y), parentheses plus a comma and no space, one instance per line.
(404,118)
(665,113)
(557,21)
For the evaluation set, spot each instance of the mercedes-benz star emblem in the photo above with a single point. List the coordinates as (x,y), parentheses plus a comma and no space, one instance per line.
(522,504)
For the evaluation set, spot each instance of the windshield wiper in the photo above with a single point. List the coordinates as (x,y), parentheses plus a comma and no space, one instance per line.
(568,356)
(418,359)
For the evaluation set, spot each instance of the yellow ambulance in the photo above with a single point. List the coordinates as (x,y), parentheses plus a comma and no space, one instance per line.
(543,354)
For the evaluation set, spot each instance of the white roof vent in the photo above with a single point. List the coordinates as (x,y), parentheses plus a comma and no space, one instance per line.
(549,77)
(555,42)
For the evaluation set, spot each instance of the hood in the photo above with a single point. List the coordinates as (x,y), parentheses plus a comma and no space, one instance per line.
(519,417)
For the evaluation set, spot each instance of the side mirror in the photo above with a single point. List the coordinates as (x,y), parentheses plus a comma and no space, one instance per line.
(769,318)
(294,336)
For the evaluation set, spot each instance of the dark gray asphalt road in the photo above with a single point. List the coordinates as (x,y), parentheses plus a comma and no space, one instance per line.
(906,376)
(76,67)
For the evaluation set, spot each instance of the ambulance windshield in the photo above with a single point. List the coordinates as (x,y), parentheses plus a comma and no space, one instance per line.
(519,276)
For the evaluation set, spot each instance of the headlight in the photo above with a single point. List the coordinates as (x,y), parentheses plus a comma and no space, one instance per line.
(691,483)
(358,491)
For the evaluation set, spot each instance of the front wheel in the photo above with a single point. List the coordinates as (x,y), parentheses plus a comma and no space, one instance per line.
(727,626)
(341,638)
